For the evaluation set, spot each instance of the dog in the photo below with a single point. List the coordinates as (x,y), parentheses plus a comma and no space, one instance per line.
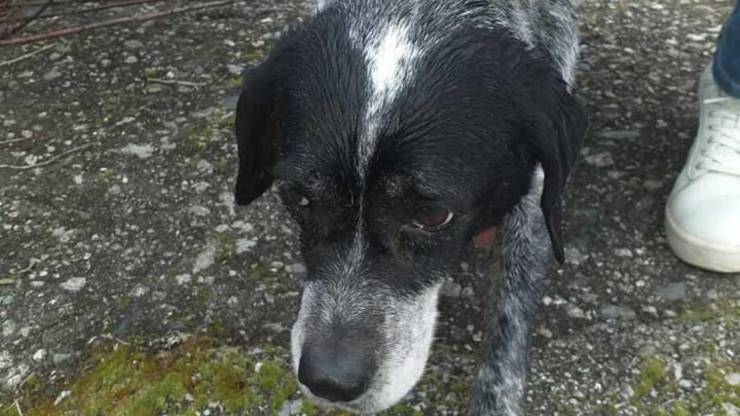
(396,133)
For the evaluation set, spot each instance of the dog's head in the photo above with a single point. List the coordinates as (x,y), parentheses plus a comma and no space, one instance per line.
(392,147)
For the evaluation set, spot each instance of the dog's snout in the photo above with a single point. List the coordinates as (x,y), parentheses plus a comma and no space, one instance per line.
(336,371)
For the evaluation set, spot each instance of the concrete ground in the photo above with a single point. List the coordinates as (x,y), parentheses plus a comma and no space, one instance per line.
(130,284)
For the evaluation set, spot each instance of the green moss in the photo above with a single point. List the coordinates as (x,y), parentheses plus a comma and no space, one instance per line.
(225,247)
(404,410)
(652,375)
(236,82)
(717,391)
(253,55)
(129,381)
(714,312)
(680,410)
(8,410)
(226,122)
(309,409)
(196,139)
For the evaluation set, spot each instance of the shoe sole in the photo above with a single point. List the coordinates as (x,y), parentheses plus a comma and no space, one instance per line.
(706,255)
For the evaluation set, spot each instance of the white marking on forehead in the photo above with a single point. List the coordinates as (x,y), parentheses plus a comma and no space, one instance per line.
(320,5)
(390,56)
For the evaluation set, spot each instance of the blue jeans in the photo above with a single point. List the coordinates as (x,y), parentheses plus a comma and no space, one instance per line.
(727,57)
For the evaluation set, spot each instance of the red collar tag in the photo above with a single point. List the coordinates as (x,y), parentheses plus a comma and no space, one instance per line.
(485,238)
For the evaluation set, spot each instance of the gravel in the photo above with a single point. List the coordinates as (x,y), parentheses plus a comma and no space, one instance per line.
(136,237)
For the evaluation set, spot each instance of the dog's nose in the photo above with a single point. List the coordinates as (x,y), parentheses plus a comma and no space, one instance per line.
(336,372)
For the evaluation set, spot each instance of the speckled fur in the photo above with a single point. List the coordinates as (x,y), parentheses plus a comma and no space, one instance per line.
(500,383)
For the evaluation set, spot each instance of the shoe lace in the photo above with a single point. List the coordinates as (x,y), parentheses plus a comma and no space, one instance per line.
(722,150)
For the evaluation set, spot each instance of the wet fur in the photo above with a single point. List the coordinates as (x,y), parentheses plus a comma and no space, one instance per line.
(374,108)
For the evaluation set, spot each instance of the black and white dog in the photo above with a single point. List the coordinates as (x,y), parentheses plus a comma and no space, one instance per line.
(397,132)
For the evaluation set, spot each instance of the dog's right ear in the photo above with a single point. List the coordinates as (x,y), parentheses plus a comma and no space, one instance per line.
(255,134)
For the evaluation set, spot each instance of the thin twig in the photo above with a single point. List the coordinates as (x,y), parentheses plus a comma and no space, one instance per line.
(99,8)
(57,2)
(26,56)
(47,162)
(11,141)
(25,22)
(111,22)
(31,264)
(18,408)
(175,82)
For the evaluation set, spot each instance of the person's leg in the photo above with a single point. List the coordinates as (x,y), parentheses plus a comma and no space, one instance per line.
(727,57)
(702,218)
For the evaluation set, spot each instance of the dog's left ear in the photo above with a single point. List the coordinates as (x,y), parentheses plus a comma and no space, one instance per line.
(555,124)
(255,134)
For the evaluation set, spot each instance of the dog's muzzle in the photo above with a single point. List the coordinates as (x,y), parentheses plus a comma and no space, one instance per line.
(336,369)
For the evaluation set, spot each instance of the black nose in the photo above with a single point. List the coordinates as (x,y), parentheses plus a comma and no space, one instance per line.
(338,372)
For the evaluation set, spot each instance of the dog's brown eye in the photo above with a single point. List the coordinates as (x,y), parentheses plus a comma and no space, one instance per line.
(432,217)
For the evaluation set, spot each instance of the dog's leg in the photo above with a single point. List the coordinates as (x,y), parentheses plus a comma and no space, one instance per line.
(500,384)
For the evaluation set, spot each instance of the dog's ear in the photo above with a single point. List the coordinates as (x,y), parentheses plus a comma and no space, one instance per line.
(555,124)
(255,133)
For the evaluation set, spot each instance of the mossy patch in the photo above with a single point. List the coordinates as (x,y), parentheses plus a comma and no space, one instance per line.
(126,380)
(656,391)
(653,375)
(715,312)
(196,139)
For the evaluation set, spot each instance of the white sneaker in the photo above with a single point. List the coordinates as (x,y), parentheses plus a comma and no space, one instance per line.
(702,218)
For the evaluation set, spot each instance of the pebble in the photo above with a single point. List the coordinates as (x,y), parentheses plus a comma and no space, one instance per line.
(39,355)
(8,328)
(204,166)
(63,234)
(544,332)
(154,88)
(131,59)
(244,244)
(63,395)
(730,409)
(139,290)
(575,312)
(618,312)
(467,292)
(74,284)
(451,289)
(133,44)
(52,75)
(235,69)
(599,160)
(672,291)
(15,376)
(626,392)
(733,379)
(298,268)
(142,151)
(205,258)
(5,360)
(182,279)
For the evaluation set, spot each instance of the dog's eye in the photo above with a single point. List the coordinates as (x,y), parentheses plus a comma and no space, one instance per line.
(432,218)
